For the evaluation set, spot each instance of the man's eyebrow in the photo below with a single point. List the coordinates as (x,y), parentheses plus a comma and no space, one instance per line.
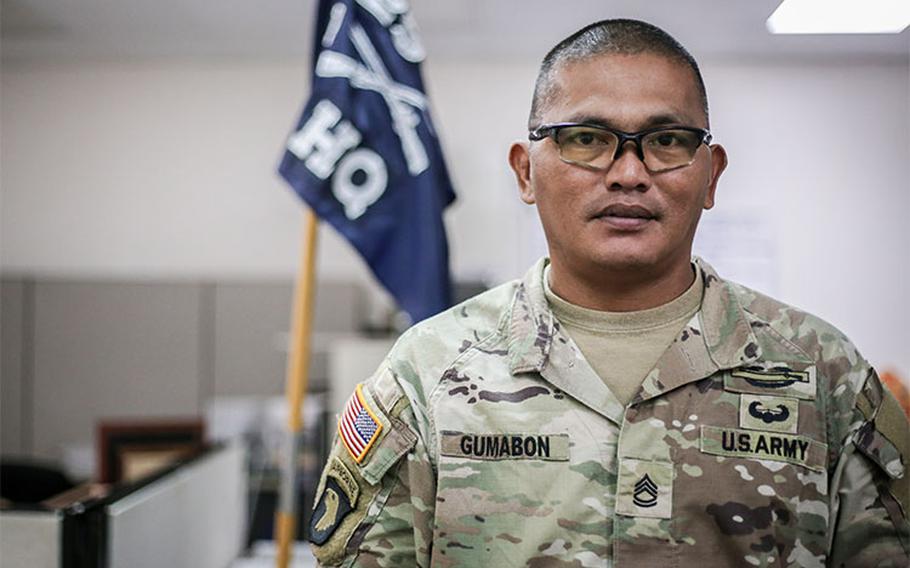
(650,122)
(590,119)
(664,119)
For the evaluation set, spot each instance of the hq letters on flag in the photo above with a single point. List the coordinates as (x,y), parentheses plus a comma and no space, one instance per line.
(365,155)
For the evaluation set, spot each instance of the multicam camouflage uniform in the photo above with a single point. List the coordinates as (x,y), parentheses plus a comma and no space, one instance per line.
(760,438)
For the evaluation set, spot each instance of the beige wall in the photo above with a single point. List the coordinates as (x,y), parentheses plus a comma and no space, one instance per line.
(165,171)
(166,168)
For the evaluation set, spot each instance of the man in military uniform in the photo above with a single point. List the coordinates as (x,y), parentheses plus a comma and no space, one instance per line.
(622,404)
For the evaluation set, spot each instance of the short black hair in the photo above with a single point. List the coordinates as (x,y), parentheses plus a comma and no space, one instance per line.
(618,36)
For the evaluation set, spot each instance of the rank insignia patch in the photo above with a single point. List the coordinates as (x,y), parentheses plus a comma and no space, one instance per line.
(645,489)
(645,492)
(358,426)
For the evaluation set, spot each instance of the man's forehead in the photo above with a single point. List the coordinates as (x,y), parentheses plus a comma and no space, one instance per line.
(644,88)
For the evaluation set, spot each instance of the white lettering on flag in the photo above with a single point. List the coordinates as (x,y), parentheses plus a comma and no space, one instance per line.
(336,17)
(406,41)
(316,143)
(400,99)
(357,197)
(404,33)
(321,149)
(385,11)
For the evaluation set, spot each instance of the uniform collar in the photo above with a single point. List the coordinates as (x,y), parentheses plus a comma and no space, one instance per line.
(718,337)
(530,323)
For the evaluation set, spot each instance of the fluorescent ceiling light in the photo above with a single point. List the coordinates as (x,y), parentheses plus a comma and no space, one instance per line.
(840,17)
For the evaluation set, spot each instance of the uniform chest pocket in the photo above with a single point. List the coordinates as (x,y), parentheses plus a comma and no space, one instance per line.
(761,494)
(499,473)
(503,495)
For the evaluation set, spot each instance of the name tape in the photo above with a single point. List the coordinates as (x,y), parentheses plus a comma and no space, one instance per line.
(548,447)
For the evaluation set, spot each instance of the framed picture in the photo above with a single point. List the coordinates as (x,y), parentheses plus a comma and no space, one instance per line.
(133,449)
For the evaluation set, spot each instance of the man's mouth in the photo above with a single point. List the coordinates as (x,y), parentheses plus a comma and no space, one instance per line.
(626,217)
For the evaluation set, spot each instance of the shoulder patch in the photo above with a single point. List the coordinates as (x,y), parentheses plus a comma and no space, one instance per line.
(893,425)
(370,440)
(358,426)
(885,437)
(338,498)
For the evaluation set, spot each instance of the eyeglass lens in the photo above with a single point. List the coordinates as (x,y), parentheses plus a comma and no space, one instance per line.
(663,150)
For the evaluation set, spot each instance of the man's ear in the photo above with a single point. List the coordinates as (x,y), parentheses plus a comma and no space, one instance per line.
(718,165)
(520,161)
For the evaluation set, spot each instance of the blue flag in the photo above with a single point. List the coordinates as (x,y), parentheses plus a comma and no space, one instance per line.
(365,156)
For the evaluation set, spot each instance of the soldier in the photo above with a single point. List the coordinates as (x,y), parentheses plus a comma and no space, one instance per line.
(622,404)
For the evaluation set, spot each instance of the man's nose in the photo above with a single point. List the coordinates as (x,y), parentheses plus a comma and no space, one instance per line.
(628,171)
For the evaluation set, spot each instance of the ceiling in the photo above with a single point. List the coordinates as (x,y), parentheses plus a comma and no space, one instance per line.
(60,30)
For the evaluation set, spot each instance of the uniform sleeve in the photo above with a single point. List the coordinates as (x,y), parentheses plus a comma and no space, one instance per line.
(870,488)
(375,507)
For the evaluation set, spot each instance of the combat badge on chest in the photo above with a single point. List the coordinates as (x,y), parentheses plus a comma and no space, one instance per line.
(769,410)
(773,380)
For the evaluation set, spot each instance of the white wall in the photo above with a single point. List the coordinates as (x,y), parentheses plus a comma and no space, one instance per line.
(823,153)
(167,168)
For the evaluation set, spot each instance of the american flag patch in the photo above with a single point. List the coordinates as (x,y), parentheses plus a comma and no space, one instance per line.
(358,427)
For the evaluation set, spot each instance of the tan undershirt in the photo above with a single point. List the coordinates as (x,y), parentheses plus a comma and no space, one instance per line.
(622,347)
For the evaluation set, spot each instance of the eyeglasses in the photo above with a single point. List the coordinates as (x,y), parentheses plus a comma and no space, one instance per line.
(596,147)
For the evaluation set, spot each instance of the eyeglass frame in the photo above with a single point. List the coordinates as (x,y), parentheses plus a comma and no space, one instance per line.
(550,131)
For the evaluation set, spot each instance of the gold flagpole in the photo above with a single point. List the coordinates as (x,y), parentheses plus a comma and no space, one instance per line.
(298,372)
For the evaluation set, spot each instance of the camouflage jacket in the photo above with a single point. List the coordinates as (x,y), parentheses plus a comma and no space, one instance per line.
(760,438)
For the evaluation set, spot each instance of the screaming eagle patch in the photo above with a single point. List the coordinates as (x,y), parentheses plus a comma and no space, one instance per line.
(337,499)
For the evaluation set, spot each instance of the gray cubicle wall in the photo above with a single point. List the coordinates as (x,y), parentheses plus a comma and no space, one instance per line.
(113,349)
(12,398)
(74,351)
(251,322)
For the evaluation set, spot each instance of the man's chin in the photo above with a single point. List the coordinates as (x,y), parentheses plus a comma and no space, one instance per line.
(625,259)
